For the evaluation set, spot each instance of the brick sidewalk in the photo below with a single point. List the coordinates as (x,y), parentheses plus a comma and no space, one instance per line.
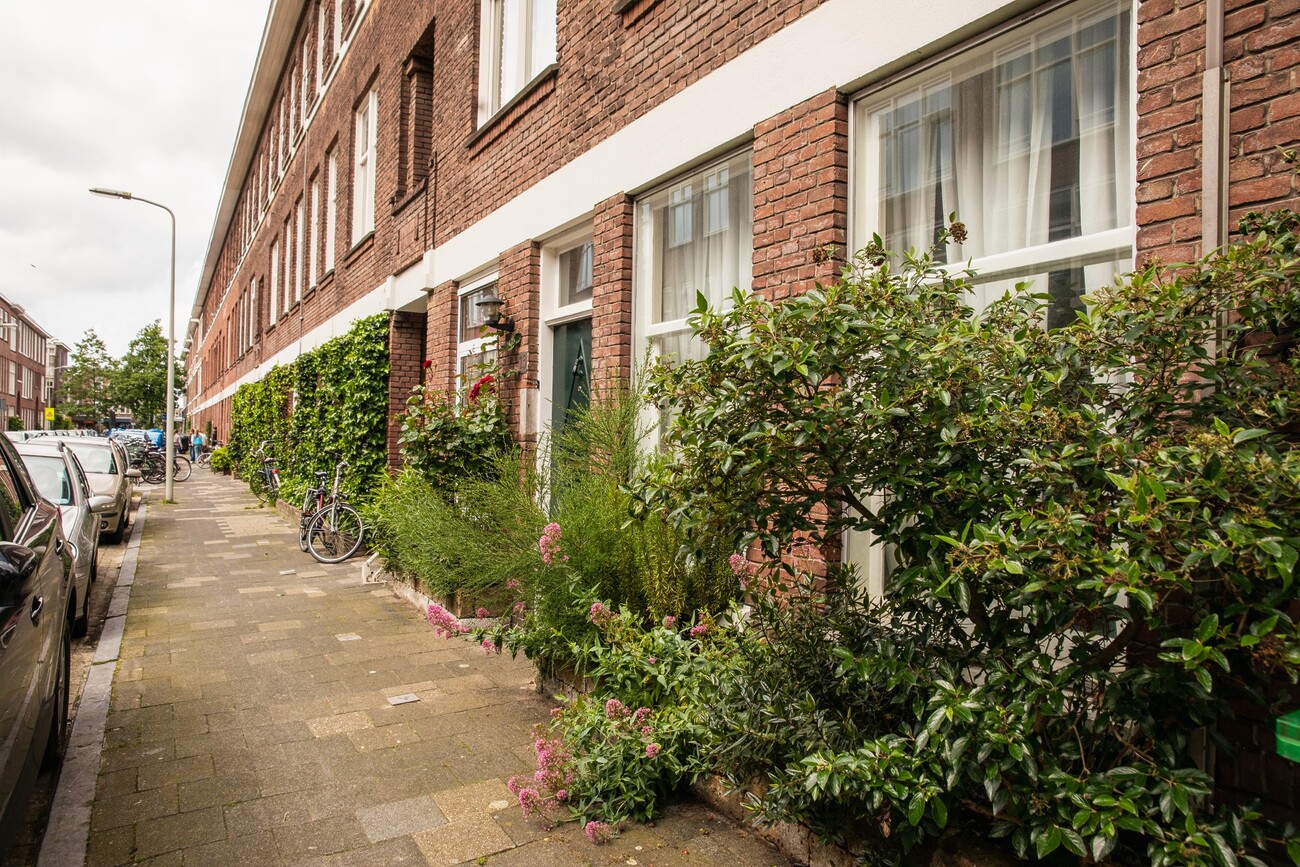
(251,720)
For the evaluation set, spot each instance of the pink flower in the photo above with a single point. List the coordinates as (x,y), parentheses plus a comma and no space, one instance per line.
(652,660)
(645,731)
(670,621)
(489,647)
(598,832)
(699,629)
(652,750)
(519,608)
(738,564)
(444,623)
(562,795)
(599,613)
(615,709)
(513,584)
(549,544)
(482,612)
(531,801)
(642,714)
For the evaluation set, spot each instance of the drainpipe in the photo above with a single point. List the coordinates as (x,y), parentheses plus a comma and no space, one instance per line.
(1214,219)
(1214,134)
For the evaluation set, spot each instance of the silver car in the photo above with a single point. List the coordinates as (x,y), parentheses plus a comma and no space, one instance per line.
(110,475)
(59,478)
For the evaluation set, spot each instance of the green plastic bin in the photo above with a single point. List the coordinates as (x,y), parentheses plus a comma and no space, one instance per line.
(1288,736)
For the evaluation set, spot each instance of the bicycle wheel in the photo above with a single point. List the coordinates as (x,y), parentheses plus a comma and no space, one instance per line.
(181,469)
(335,533)
(304,521)
(153,472)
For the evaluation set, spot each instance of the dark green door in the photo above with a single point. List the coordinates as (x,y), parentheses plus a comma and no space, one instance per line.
(570,370)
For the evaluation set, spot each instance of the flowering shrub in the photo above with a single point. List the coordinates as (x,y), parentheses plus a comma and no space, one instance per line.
(444,623)
(445,438)
(615,753)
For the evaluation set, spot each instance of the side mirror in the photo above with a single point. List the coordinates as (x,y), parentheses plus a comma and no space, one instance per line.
(100,505)
(134,475)
(17,563)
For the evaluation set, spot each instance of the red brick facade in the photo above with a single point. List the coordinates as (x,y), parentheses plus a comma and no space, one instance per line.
(444,182)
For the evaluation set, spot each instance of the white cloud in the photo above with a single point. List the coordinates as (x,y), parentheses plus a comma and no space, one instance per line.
(142,96)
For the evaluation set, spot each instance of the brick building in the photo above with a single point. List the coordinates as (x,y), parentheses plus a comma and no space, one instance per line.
(22,366)
(595,163)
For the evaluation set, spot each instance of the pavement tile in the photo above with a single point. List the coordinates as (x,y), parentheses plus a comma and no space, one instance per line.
(462,840)
(129,809)
(110,848)
(251,850)
(156,836)
(400,818)
(179,771)
(322,837)
(339,723)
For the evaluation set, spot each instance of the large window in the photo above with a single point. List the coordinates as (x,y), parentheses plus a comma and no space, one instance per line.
(1028,139)
(298,275)
(331,208)
(363,170)
(273,296)
(474,349)
(517,41)
(313,243)
(694,236)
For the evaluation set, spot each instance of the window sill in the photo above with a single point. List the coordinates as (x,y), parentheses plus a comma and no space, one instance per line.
(367,241)
(542,85)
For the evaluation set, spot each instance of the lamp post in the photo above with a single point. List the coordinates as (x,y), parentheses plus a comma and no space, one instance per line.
(171,338)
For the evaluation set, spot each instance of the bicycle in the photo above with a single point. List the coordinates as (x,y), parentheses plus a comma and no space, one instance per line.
(268,476)
(335,530)
(313,500)
(153,466)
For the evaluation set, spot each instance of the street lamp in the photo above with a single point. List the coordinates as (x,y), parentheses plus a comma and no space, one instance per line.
(171,337)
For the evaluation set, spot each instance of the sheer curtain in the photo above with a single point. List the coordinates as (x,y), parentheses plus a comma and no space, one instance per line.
(695,236)
(1026,139)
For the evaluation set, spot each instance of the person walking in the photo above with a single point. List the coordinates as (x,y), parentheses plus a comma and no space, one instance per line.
(196,446)
(183,444)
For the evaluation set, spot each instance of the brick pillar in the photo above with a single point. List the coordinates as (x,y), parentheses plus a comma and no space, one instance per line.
(405,355)
(440,335)
(801,185)
(1171,57)
(611,295)
(519,285)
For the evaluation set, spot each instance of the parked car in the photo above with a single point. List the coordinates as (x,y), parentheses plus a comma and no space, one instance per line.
(60,479)
(110,475)
(36,619)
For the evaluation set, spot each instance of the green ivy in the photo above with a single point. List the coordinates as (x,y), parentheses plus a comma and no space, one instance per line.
(331,400)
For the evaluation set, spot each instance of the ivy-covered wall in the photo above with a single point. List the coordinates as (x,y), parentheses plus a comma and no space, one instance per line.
(332,399)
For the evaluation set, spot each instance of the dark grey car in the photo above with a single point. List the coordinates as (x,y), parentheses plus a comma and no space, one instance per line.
(36,617)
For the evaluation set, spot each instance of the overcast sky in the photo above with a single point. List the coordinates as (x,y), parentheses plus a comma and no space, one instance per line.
(136,95)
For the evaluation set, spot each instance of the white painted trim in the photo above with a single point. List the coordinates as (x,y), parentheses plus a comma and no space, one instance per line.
(849,39)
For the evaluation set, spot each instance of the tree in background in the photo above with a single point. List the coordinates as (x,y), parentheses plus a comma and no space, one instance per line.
(87,382)
(140,383)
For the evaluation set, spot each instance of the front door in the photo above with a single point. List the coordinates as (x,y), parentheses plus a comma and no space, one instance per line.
(570,370)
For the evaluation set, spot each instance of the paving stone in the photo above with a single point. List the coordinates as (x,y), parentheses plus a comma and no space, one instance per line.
(183,831)
(462,840)
(400,818)
(474,801)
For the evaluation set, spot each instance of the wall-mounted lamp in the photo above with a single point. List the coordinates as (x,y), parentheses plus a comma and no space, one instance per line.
(493,318)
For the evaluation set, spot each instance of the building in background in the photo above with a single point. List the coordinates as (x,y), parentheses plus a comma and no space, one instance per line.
(23,365)
(56,361)
(597,164)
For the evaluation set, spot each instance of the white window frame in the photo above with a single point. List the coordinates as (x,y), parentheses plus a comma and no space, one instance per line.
(554,314)
(644,330)
(288,262)
(298,275)
(331,209)
(363,167)
(314,240)
(273,297)
(505,71)
(252,309)
(320,46)
(474,345)
(1099,247)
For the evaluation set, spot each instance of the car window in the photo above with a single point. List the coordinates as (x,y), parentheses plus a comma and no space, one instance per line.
(51,477)
(12,501)
(95,459)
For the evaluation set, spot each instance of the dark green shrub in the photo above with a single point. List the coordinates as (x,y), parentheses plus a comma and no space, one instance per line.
(220,461)
(447,438)
(1096,528)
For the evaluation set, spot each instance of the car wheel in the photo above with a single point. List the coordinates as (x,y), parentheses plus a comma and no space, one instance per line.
(57,744)
(94,566)
(116,536)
